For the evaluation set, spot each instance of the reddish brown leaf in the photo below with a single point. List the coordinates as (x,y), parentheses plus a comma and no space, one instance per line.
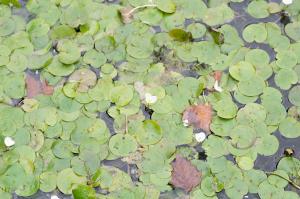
(47,89)
(33,86)
(218,75)
(184,174)
(199,116)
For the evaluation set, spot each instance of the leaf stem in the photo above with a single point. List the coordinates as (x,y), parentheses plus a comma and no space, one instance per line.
(140,7)
(290,181)
(126,124)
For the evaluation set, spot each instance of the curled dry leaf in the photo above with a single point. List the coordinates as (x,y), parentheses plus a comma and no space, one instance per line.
(126,14)
(184,174)
(199,116)
(218,75)
(34,86)
(85,79)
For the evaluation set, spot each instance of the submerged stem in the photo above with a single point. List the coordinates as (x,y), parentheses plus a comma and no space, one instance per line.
(290,181)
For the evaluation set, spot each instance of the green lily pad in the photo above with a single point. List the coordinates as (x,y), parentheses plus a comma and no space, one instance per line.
(94,58)
(283,82)
(252,87)
(255,32)
(48,181)
(167,6)
(258,9)
(122,145)
(243,136)
(292,30)
(121,95)
(226,109)
(67,180)
(290,128)
(242,71)
(294,96)
(150,134)
(69,53)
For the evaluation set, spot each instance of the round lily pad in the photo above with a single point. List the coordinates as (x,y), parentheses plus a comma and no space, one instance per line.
(226,109)
(252,87)
(242,71)
(122,145)
(255,32)
(67,180)
(289,127)
(282,81)
(292,30)
(94,58)
(243,136)
(48,181)
(150,134)
(294,95)
(121,95)
(258,9)
(245,163)
(69,53)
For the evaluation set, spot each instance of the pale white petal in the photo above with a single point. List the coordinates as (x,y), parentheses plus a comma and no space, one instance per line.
(217,87)
(200,137)
(185,123)
(8,141)
(54,197)
(150,99)
(287,2)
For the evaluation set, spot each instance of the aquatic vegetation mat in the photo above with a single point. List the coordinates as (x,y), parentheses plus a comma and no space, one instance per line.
(148,99)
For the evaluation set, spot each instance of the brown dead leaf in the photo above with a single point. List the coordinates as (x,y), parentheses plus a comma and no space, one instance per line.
(199,116)
(47,89)
(35,87)
(184,174)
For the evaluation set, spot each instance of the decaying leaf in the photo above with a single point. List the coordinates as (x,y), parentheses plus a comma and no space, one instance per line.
(218,75)
(184,174)
(126,14)
(47,89)
(180,35)
(35,86)
(85,79)
(199,116)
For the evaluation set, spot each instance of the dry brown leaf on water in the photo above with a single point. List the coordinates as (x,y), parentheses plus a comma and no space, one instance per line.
(47,89)
(34,86)
(199,116)
(184,174)
(85,78)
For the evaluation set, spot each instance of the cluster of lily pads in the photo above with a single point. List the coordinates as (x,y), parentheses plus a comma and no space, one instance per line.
(66,63)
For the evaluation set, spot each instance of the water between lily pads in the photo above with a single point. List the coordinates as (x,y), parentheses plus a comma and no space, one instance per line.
(265,163)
